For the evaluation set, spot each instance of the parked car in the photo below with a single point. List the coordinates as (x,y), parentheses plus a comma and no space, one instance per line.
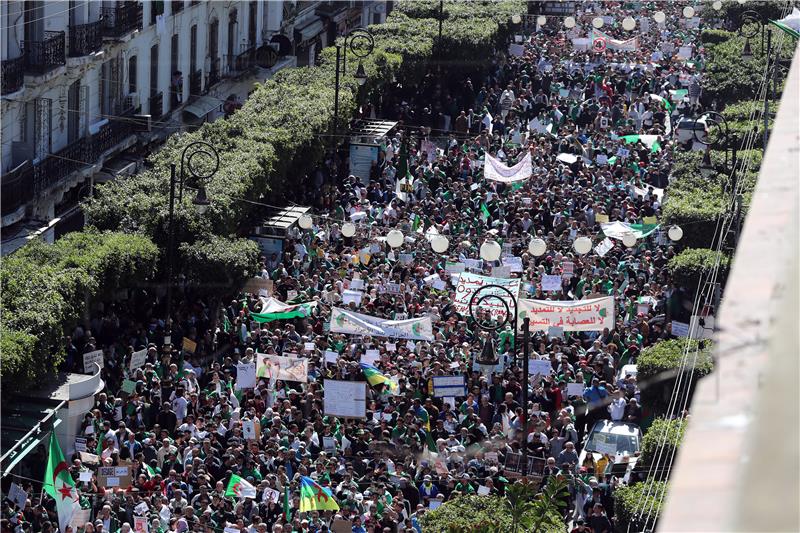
(620,440)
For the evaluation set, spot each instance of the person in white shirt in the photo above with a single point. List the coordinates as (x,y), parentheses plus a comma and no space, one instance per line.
(617,406)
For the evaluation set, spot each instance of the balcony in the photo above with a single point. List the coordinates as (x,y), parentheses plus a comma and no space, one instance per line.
(85,39)
(16,190)
(156,106)
(195,83)
(84,152)
(13,74)
(121,20)
(46,54)
(243,62)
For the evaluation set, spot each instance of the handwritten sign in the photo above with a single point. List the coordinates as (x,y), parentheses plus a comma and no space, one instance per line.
(89,359)
(584,315)
(575,389)
(138,359)
(551,283)
(469,284)
(539,366)
(245,375)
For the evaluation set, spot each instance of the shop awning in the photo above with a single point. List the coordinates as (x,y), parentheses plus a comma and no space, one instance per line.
(309,31)
(202,106)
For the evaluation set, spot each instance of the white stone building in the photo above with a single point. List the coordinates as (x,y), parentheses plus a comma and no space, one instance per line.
(90,86)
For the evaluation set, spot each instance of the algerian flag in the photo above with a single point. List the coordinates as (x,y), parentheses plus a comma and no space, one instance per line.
(485,212)
(617,229)
(151,472)
(416,222)
(666,103)
(59,485)
(273,309)
(648,140)
(790,23)
(238,487)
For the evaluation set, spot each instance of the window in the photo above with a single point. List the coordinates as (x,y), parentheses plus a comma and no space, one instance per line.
(251,24)
(193,49)
(132,75)
(154,69)
(156,9)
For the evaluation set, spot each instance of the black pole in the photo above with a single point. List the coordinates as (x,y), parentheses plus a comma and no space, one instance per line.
(766,90)
(526,334)
(336,100)
(170,245)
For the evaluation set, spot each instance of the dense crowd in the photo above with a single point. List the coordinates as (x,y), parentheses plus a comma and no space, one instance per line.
(181,426)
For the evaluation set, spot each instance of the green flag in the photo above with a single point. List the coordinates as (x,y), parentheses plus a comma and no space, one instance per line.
(59,485)
(287,511)
(416,223)
(485,212)
(238,487)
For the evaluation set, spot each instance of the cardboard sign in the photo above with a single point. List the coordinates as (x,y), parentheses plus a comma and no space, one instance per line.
(89,359)
(189,345)
(89,458)
(138,359)
(17,495)
(251,429)
(257,285)
(114,477)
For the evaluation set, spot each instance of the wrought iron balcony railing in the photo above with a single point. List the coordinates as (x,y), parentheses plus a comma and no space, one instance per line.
(85,39)
(45,54)
(13,74)
(122,19)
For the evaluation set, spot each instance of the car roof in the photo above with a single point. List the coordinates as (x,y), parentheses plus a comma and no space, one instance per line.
(616,428)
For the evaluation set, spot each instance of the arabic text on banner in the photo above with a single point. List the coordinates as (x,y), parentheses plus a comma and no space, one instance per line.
(583,315)
(283,368)
(343,321)
(469,283)
(496,171)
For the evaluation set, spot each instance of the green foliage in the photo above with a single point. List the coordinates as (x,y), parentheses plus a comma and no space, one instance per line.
(45,288)
(714,36)
(688,267)
(520,510)
(659,365)
(746,121)
(639,499)
(660,444)
(219,262)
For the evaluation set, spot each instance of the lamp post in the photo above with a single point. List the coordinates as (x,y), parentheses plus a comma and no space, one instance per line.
(723,139)
(361,43)
(201,202)
(496,292)
(747,19)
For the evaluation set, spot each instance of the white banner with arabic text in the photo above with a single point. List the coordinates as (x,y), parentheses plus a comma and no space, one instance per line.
(469,284)
(496,171)
(343,321)
(582,315)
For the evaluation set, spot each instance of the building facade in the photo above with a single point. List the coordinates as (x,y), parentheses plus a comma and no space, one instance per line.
(90,87)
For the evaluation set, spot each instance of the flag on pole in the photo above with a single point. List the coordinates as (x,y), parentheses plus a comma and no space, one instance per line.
(666,103)
(238,487)
(59,485)
(416,223)
(485,212)
(375,377)
(314,497)
(287,511)
(790,23)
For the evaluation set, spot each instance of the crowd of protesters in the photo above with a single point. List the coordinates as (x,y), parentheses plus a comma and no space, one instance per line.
(180,427)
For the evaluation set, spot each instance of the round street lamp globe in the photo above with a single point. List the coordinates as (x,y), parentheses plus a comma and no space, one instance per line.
(717,5)
(305,222)
(537,247)
(582,245)
(688,12)
(541,20)
(675,233)
(569,22)
(628,23)
(597,22)
(440,244)
(348,229)
(629,240)
(659,16)
(490,251)
(395,238)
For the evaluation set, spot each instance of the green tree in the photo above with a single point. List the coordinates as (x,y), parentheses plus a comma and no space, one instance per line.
(660,445)
(635,502)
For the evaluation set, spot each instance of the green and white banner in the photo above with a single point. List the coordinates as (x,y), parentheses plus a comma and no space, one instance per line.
(272,309)
(618,230)
(343,321)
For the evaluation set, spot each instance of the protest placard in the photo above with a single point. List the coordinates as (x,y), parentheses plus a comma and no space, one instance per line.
(140,524)
(555,332)
(245,375)
(357,284)
(281,367)
(79,518)
(90,358)
(80,444)
(605,246)
(454,268)
(259,286)
(591,314)
(17,495)
(138,359)
(114,476)
(128,386)
(679,329)
(349,297)
(189,345)
(540,367)
(331,357)
(449,386)
(469,284)
(345,398)
(551,283)
(575,389)
(329,444)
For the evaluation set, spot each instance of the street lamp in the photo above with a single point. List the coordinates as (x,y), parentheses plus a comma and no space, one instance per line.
(194,152)
(751,19)
(500,293)
(360,43)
